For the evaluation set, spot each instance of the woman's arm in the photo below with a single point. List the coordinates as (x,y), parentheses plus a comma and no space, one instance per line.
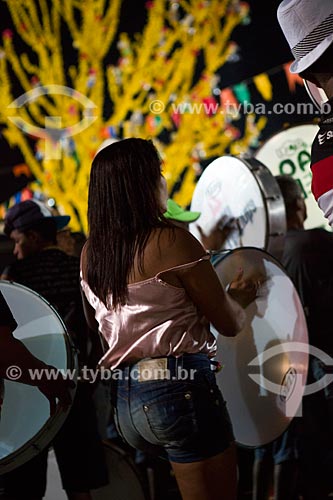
(204,288)
(13,353)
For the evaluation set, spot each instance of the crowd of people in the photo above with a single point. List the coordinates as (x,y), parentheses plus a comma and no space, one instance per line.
(138,297)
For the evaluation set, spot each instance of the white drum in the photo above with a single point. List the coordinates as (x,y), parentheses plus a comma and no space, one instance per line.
(25,425)
(289,152)
(265,365)
(245,190)
(125,481)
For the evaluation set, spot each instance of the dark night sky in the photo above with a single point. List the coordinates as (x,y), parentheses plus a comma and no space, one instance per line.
(262,45)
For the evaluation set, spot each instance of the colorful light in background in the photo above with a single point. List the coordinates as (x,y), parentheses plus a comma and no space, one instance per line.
(150,92)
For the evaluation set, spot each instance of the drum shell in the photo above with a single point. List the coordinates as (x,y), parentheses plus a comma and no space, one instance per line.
(275,208)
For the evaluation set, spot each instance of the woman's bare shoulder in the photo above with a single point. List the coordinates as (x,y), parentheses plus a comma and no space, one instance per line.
(178,246)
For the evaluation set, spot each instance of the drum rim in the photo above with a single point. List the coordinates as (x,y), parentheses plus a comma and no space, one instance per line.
(276,220)
(54,423)
(245,248)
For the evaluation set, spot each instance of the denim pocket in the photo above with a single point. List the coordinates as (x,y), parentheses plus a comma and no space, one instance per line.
(172,417)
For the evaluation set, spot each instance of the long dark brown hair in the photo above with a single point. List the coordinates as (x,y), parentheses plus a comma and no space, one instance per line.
(123,208)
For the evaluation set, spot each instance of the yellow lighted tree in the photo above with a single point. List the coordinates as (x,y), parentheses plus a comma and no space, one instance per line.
(140,95)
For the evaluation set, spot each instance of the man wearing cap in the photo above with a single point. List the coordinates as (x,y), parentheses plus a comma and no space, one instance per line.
(53,274)
(308,28)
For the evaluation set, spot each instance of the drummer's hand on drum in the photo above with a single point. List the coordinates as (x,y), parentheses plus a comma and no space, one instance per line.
(220,232)
(244,290)
(59,389)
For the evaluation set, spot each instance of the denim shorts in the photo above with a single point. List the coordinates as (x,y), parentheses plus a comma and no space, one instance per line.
(183,417)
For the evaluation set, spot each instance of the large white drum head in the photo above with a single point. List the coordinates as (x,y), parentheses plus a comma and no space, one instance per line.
(228,188)
(265,365)
(125,481)
(26,426)
(289,152)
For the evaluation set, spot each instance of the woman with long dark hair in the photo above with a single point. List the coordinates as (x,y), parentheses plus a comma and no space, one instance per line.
(153,293)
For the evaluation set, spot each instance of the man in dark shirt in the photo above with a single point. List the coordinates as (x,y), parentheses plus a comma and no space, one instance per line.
(53,274)
(308,259)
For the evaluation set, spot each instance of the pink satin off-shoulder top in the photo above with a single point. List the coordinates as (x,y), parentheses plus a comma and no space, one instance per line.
(158,319)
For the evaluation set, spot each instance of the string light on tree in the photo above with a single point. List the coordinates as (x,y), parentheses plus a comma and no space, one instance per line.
(160,63)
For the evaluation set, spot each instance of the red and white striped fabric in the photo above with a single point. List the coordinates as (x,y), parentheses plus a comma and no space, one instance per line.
(322,165)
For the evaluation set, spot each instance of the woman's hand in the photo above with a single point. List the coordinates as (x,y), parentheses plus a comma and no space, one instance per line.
(58,389)
(244,290)
(220,232)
